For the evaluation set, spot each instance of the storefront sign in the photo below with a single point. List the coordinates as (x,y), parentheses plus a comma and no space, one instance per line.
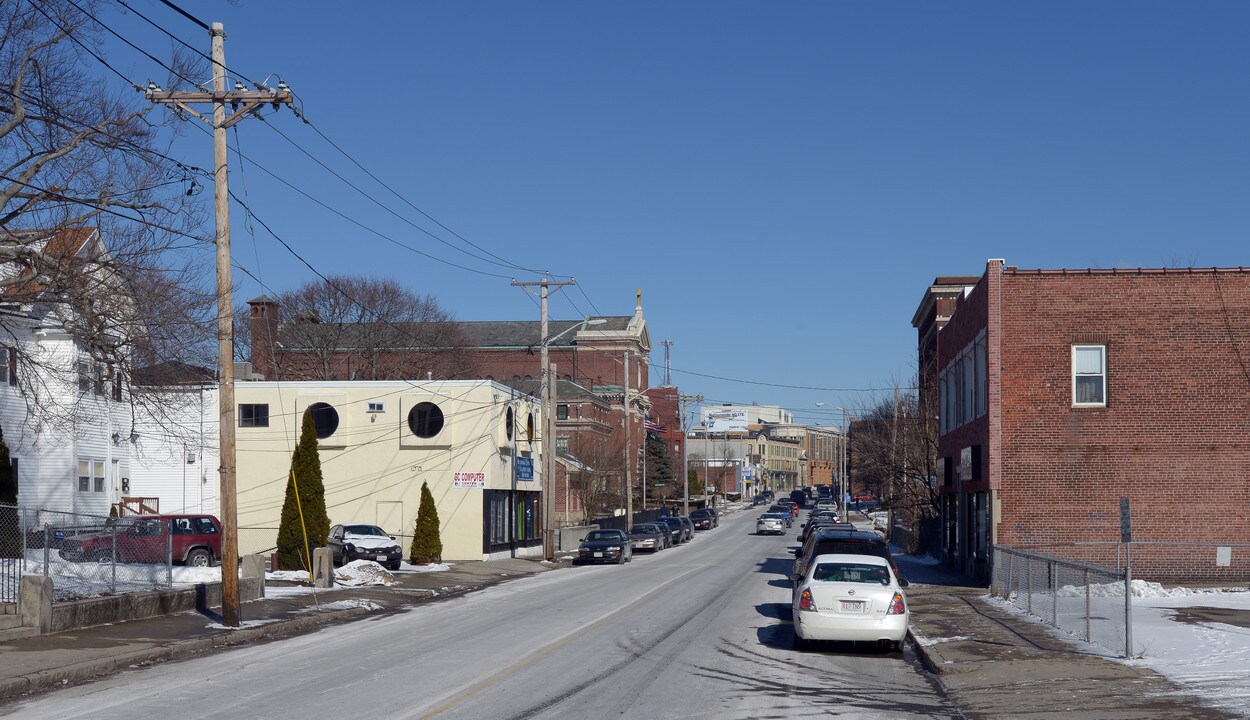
(965,464)
(524,468)
(474,480)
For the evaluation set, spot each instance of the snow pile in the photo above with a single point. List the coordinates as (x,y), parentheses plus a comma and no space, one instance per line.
(343,605)
(1141,589)
(363,572)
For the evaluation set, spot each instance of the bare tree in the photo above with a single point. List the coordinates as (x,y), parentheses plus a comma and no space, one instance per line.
(359,328)
(598,485)
(99,231)
(894,455)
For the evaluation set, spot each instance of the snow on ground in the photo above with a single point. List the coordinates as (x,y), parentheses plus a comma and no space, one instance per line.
(75,580)
(1207,658)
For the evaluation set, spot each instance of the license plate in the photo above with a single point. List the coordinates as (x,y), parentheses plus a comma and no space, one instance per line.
(852,606)
(381,558)
(598,554)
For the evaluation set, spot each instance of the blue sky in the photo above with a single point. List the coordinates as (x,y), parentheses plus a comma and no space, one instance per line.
(782,180)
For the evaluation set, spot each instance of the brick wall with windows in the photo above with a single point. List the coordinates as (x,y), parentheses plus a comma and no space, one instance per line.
(1109,384)
(1173,430)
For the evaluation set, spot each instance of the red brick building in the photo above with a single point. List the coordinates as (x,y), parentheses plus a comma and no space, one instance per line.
(1062,391)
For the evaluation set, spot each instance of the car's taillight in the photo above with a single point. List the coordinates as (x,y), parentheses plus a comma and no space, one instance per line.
(897,606)
(806,602)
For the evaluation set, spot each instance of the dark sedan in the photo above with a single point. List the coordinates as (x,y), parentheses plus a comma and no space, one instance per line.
(703,519)
(677,530)
(604,546)
(363,542)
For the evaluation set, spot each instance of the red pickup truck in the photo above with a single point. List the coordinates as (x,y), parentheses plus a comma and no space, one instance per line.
(189,539)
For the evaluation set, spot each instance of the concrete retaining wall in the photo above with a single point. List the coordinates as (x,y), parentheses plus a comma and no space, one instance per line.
(134,606)
(568,538)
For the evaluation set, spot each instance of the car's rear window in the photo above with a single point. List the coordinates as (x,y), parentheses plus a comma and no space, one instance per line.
(852,572)
(603,536)
(850,548)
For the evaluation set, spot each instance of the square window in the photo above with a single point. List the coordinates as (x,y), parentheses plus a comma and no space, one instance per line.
(377,407)
(562,412)
(1089,375)
(253,414)
(84,476)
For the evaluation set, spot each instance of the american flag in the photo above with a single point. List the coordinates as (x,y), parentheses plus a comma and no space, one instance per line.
(653,426)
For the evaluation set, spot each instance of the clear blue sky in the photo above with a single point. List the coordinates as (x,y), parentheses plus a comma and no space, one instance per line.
(782,180)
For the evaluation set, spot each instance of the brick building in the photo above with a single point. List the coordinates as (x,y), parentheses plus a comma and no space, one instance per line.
(1062,391)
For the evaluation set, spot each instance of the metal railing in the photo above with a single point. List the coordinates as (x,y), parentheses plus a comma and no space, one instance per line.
(86,555)
(1082,599)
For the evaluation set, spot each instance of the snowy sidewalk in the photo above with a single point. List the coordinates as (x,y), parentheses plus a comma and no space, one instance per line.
(998,662)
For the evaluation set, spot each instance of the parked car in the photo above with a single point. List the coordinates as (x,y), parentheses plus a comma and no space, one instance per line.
(827,505)
(688,526)
(189,539)
(677,531)
(771,523)
(846,542)
(856,598)
(823,524)
(703,519)
(602,546)
(715,515)
(650,536)
(364,542)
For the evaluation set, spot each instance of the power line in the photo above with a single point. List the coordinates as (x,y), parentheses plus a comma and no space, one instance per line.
(403,199)
(186,15)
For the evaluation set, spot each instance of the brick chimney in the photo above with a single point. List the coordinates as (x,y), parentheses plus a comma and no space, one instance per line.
(263,323)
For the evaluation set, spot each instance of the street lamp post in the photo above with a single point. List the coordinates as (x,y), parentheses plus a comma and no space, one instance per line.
(842,486)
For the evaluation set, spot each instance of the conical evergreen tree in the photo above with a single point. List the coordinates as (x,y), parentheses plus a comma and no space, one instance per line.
(294,553)
(427,547)
(10,533)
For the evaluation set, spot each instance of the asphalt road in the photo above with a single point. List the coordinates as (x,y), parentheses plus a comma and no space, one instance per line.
(698,631)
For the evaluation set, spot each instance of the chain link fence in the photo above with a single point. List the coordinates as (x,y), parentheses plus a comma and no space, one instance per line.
(85,555)
(1082,599)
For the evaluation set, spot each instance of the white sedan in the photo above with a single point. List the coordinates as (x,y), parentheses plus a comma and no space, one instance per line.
(853,598)
(771,523)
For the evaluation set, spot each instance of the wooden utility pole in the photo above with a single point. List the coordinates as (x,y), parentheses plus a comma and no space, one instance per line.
(243,103)
(548,436)
(629,467)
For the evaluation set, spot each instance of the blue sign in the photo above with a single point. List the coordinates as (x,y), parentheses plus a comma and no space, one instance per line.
(524,468)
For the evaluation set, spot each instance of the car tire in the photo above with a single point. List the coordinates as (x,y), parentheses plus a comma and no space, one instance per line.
(799,643)
(199,557)
(101,556)
(393,566)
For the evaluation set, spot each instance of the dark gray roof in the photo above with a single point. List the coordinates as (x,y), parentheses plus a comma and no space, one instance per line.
(565,389)
(477,334)
(523,333)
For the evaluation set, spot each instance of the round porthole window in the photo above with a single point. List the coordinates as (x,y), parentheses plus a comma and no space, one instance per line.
(325,419)
(425,420)
(507,422)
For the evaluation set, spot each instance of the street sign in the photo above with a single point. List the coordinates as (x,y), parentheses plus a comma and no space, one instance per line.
(1126,522)
(524,468)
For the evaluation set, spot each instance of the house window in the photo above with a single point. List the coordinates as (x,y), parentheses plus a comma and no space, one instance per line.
(1089,375)
(425,420)
(983,383)
(562,412)
(84,376)
(116,384)
(97,380)
(8,366)
(91,476)
(253,414)
(562,443)
(325,419)
(377,407)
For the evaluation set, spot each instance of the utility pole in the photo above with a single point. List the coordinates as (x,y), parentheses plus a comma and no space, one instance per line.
(548,436)
(629,470)
(668,370)
(243,103)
